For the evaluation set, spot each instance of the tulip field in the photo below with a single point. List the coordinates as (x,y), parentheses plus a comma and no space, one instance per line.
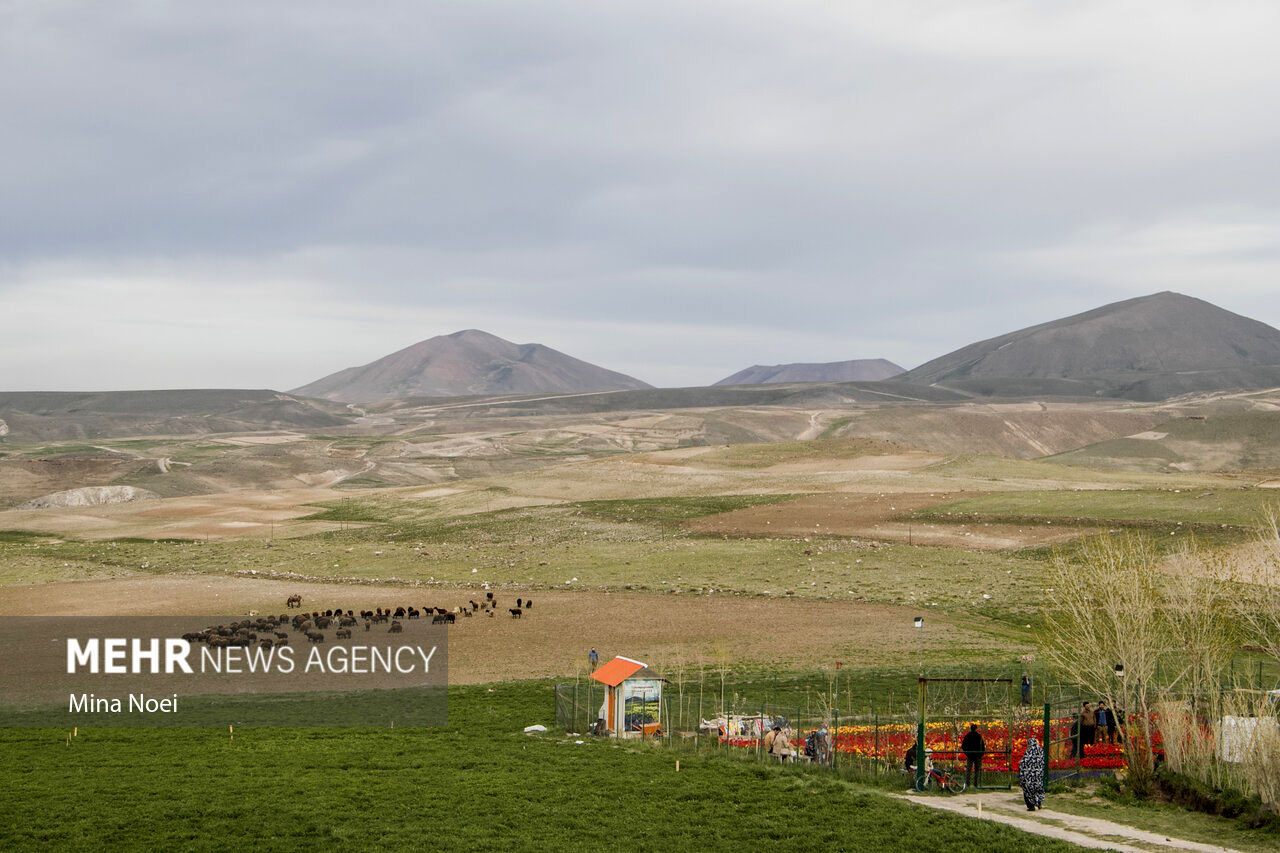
(888,742)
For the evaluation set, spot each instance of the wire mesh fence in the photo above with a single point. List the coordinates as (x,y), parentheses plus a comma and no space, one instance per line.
(848,723)
(864,724)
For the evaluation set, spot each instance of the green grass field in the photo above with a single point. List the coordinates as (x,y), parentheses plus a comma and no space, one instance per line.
(1201,507)
(477,785)
(545,546)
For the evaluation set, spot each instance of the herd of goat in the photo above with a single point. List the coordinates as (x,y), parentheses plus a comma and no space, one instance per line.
(268,631)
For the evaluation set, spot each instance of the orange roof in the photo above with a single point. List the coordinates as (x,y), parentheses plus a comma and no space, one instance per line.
(617,671)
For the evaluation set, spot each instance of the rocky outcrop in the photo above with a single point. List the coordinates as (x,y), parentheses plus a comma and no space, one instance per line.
(90,496)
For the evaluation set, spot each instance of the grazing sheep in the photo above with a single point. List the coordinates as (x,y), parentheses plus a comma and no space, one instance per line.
(265,642)
(489,596)
(519,602)
(293,601)
(396,627)
(528,604)
(283,642)
(368,625)
(515,612)
(399,614)
(343,633)
(281,635)
(315,636)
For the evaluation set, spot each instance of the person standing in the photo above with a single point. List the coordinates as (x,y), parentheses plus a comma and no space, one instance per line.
(593,658)
(824,746)
(1088,726)
(781,746)
(973,747)
(1102,716)
(1031,775)
(1026,690)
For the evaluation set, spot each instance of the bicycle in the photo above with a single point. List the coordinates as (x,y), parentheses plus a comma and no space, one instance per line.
(947,780)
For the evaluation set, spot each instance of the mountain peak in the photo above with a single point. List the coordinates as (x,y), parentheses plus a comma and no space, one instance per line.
(857,370)
(1131,341)
(467,362)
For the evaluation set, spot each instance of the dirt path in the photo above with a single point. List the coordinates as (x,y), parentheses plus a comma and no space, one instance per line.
(1089,832)
(815,428)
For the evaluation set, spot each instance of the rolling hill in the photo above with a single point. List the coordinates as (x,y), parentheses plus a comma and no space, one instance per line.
(857,370)
(467,363)
(61,415)
(1149,348)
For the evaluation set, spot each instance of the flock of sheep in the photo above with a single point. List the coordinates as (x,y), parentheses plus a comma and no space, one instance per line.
(259,630)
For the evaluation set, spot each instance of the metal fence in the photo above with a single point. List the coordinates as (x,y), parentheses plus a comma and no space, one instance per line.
(870,722)
(733,718)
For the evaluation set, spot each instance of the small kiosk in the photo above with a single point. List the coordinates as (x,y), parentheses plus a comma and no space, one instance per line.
(633,701)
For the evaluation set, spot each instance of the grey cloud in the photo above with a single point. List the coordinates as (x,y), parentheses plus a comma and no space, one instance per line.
(908,177)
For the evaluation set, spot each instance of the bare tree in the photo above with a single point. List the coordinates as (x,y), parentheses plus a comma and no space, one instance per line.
(1258,590)
(1103,610)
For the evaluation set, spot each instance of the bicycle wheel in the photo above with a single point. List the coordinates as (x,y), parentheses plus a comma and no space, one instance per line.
(924,783)
(956,783)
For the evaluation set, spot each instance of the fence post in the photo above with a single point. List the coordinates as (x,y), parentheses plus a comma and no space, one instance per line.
(875,752)
(835,737)
(1047,730)
(760,737)
(920,710)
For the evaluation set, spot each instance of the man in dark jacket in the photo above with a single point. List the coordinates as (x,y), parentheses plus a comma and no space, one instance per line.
(973,747)
(1088,726)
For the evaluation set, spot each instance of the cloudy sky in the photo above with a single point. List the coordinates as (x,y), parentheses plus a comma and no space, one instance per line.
(256,194)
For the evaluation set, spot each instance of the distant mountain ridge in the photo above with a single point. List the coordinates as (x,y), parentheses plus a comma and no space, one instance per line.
(855,370)
(467,363)
(55,415)
(1148,348)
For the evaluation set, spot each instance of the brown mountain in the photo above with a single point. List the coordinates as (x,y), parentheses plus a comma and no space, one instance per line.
(465,363)
(1149,348)
(857,370)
